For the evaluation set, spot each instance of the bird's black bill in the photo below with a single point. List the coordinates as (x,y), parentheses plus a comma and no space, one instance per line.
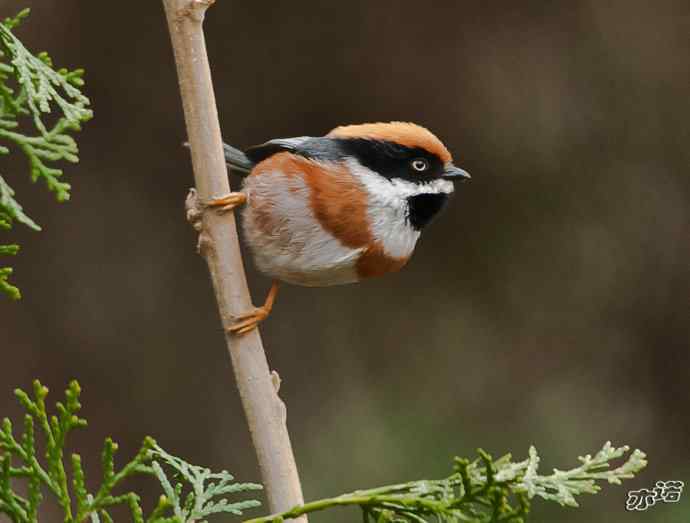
(455,173)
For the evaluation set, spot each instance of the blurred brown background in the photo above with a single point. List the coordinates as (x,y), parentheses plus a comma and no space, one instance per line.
(547,306)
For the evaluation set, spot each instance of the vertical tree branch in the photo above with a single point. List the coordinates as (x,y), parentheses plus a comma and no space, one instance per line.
(219,244)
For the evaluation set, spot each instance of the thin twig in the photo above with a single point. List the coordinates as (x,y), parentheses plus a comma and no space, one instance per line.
(264,410)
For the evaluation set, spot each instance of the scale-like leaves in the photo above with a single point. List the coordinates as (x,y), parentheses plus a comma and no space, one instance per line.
(33,91)
(206,491)
(204,488)
(480,491)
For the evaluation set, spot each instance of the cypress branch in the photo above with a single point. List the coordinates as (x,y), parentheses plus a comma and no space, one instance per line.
(206,491)
(31,88)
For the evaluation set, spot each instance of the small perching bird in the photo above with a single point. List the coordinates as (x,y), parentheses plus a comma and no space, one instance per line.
(339,208)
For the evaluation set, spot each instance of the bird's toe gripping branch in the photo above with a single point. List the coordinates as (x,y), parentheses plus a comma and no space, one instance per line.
(248,321)
(195,208)
(227,202)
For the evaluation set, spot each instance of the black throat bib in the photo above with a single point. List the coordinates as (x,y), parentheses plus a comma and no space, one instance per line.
(423,207)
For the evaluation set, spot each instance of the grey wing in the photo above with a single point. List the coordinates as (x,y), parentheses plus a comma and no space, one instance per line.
(259,153)
(306,146)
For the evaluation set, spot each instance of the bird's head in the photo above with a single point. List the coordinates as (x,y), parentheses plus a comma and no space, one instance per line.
(401,164)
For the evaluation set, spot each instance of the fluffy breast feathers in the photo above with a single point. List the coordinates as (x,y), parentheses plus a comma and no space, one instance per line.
(313,223)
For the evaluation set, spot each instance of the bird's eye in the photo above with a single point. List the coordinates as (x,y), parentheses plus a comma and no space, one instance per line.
(420,164)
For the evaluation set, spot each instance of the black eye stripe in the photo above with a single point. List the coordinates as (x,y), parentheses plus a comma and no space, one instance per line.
(393,160)
(389,159)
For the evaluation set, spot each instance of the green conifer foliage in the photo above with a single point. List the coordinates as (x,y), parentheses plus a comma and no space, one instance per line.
(41,107)
(193,493)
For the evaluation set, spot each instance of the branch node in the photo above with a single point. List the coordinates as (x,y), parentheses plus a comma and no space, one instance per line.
(195,9)
(195,216)
(275,379)
(204,244)
(194,212)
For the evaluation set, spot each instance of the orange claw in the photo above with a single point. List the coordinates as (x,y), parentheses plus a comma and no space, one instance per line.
(248,321)
(228,202)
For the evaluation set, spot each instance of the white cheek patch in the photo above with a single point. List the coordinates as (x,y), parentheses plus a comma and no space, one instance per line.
(396,189)
(407,188)
(388,207)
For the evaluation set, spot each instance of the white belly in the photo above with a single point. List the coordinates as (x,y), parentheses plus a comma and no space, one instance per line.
(285,237)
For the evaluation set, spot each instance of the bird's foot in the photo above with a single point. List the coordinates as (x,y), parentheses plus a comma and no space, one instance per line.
(195,207)
(227,202)
(248,321)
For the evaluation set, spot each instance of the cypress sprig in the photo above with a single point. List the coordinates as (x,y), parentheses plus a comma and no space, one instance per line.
(481,491)
(31,88)
(206,490)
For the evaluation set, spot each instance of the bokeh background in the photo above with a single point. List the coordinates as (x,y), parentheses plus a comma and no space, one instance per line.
(549,305)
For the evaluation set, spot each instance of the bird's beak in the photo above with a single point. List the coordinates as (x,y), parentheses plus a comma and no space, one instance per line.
(450,172)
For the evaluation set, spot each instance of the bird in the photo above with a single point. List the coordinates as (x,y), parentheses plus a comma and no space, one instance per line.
(339,208)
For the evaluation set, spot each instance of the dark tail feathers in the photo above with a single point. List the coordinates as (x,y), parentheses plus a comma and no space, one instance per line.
(237,160)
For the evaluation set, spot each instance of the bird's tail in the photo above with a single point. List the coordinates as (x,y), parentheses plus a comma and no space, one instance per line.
(237,160)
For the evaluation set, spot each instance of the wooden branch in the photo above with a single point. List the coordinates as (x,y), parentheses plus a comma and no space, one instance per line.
(265,412)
